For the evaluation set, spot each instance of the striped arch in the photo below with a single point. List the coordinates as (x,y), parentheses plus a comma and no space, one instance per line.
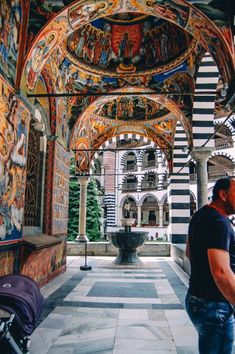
(124,156)
(204,103)
(151,146)
(227,124)
(219,153)
(116,139)
(148,195)
(122,201)
(178,189)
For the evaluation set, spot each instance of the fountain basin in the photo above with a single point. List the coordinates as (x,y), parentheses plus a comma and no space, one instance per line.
(127,244)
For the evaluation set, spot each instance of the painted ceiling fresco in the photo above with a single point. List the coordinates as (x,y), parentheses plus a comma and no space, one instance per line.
(120,48)
(85,47)
(134,108)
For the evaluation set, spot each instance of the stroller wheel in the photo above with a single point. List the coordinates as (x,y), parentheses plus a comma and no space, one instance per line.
(25,344)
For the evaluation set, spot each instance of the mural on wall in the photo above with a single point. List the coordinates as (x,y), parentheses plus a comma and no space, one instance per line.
(41,11)
(14,125)
(43,264)
(42,50)
(10,20)
(128,49)
(133,108)
(9,260)
(60,198)
(62,129)
(219,13)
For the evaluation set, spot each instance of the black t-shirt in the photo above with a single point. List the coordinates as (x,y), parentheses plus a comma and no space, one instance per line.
(208,229)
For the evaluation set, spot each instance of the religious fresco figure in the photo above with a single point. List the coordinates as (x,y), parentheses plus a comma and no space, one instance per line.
(40,53)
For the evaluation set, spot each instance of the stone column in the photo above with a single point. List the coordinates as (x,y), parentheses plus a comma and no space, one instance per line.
(82,237)
(138,215)
(201,156)
(160,215)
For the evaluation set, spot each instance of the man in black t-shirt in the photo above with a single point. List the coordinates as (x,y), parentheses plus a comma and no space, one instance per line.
(211,249)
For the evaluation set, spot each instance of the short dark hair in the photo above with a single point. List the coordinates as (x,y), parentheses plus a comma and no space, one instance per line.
(222,183)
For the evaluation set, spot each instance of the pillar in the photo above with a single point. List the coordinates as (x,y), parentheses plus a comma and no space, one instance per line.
(82,237)
(201,156)
(138,215)
(160,215)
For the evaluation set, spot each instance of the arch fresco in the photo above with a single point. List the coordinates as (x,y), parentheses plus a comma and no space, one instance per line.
(181,13)
(91,130)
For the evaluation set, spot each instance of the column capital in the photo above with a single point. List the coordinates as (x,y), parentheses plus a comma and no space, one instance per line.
(201,153)
(83,180)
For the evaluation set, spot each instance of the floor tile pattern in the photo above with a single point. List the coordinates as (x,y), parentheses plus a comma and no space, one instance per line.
(116,310)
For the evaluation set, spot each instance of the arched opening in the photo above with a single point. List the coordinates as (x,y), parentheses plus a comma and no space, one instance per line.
(130,162)
(223,138)
(149,181)
(132,208)
(34,182)
(150,212)
(165,212)
(130,184)
(149,159)
(219,166)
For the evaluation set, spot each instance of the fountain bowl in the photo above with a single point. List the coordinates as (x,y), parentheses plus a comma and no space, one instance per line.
(127,244)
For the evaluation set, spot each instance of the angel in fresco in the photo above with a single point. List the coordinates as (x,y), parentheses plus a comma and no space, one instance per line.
(85,13)
(39,54)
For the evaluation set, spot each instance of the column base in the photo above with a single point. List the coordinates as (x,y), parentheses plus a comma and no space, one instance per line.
(82,238)
(85,267)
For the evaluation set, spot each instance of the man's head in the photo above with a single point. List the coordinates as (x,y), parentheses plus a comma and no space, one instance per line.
(224,194)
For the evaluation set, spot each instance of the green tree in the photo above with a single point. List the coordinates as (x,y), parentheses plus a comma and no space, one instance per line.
(94,210)
(74,196)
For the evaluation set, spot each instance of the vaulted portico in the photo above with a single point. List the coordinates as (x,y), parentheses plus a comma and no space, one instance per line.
(79,75)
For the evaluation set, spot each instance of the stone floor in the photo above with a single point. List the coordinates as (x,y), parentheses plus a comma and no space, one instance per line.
(116,310)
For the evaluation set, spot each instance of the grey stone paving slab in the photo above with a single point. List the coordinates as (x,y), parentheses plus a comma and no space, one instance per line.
(141,351)
(144,332)
(123,289)
(184,350)
(144,344)
(94,346)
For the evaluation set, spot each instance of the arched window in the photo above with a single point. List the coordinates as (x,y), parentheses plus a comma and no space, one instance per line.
(130,162)
(223,137)
(150,212)
(130,184)
(219,166)
(132,208)
(149,159)
(149,181)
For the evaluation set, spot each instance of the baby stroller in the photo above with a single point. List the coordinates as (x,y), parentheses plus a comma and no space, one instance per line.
(21,305)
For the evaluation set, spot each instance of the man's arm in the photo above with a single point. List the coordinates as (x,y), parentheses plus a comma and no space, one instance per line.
(222,273)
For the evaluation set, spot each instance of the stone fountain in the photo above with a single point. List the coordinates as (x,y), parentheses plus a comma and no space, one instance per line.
(127,241)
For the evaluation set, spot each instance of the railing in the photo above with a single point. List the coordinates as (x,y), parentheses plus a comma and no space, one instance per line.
(151,163)
(213,175)
(129,186)
(223,143)
(149,185)
(130,167)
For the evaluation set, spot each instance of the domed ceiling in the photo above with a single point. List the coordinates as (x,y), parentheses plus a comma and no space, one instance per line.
(129,44)
(103,52)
